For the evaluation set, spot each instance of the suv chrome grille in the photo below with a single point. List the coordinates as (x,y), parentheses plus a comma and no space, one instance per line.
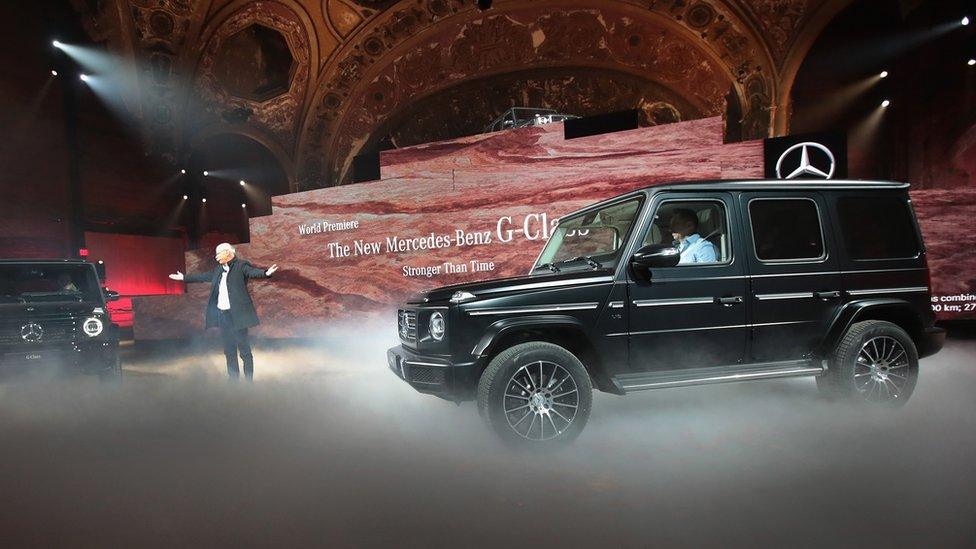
(59,330)
(407,324)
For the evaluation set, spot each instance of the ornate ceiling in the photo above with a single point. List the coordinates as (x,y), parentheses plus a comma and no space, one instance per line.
(316,81)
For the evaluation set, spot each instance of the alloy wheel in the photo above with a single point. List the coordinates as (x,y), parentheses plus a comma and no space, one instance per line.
(541,400)
(881,372)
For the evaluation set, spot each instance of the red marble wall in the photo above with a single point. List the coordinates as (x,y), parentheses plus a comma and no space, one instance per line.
(946,218)
(466,184)
(470,184)
(135,265)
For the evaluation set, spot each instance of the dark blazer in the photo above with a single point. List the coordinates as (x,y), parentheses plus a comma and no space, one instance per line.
(241,305)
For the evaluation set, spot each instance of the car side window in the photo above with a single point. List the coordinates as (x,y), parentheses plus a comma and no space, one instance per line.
(698,228)
(786,229)
(877,228)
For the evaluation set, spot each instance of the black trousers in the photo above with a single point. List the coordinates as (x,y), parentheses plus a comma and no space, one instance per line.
(236,340)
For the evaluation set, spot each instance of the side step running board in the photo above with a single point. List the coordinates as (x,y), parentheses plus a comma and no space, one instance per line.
(628,383)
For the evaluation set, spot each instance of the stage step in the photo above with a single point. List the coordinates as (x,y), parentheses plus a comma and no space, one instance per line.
(628,383)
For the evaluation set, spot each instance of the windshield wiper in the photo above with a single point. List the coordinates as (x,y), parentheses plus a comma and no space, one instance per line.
(549,266)
(589,261)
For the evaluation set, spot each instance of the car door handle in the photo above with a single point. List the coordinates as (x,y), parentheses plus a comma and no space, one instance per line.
(730,301)
(827,295)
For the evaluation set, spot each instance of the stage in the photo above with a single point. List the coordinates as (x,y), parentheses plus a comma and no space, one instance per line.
(327,447)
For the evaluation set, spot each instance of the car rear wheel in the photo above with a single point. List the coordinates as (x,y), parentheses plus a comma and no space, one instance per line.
(535,394)
(876,362)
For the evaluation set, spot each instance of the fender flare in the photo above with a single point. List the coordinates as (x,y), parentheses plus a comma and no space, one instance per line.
(855,310)
(497,330)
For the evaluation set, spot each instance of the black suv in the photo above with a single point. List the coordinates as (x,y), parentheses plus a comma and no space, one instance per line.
(52,314)
(686,284)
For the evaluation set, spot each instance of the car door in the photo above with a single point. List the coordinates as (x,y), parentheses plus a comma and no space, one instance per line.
(693,314)
(795,283)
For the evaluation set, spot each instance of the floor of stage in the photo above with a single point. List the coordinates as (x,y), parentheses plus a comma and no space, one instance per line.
(328,447)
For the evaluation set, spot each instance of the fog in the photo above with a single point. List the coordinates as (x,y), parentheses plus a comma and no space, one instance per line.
(328,447)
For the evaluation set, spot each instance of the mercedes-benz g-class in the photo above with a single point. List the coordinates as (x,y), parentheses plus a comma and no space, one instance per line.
(686,284)
(53,317)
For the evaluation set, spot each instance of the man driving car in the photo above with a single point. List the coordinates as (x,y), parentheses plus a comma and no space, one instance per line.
(694,248)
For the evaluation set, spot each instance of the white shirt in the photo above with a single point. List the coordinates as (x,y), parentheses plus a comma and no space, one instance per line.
(223,299)
(695,249)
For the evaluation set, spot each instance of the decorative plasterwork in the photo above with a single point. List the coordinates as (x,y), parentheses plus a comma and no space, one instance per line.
(278,116)
(380,57)
(408,54)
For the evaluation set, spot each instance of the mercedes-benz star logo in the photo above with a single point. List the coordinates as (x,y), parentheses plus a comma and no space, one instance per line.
(805,167)
(31,332)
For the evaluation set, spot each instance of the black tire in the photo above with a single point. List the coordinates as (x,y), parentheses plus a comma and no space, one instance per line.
(113,374)
(875,362)
(511,384)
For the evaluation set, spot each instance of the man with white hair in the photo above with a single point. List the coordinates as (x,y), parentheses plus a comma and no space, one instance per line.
(230,305)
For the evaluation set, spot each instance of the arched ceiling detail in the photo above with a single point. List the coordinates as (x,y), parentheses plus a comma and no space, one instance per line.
(445,113)
(412,53)
(214,101)
(426,46)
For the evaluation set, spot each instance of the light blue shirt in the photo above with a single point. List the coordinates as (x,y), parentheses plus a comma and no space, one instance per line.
(696,249)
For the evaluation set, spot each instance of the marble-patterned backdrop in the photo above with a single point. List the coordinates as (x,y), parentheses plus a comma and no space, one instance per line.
(468,184)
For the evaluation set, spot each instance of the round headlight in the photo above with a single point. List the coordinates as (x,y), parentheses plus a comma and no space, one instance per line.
(92,326)
(437,326)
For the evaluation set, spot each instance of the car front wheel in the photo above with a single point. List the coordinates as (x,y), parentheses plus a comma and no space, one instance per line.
(875,362)
(535,394)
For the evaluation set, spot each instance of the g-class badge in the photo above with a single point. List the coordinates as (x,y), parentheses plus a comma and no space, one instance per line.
(31,332)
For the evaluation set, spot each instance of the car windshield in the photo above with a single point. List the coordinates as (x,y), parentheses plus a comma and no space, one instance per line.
(589,241)
(48,283)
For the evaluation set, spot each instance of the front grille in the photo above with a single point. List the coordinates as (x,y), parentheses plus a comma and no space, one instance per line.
(424,374)
(60,330)
(407,324)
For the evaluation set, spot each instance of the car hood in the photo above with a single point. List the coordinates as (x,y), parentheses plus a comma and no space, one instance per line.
(500,286)
(14,311)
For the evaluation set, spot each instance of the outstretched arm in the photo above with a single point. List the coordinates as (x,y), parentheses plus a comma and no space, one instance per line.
(195,277)
(256,272)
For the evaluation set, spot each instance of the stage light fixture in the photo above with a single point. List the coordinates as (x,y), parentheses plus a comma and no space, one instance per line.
(54,72)
(56,44)
(885,103)
(242,182)
(243,205)
(183,171)
(185,197)
(205,173)
(884,74)
(965,21)
(84,77)
(204,200)
(971,62)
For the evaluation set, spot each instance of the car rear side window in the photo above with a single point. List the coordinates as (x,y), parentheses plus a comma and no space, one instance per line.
(877,227)
(786,229)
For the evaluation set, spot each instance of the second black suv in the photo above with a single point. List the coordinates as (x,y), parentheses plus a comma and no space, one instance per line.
(680,285)
(53,313)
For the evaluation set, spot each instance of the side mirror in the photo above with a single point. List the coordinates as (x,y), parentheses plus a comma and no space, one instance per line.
(110,295)
(655,255)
